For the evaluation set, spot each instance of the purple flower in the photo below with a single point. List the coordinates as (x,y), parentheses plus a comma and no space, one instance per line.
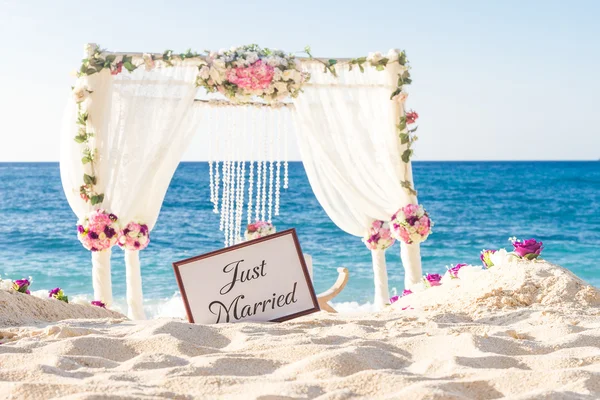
(434,279)
(406,292)
(112,217)
(528,249)
(93,249)
(136,244)
(22,285)
(125,231)
(411,220)
(109,232)
(98,303)
(144,229)
(80,229)
(53,292)
(454,270)
(393,299)
(93,235)
(485,258)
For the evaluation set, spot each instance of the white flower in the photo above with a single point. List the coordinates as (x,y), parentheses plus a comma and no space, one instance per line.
(469,272)
(401,97)
(148,61)
(80,93)
(89,49)
(288,74)
(143,239)
(219,64)
(6,284)
(280,86)
(277,74)
(393,54)
(251,57)
(272,61)
(502,257)
(375,57)
(216,76)
(204,72)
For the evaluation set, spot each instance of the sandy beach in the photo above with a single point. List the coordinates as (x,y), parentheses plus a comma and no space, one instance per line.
(526,330)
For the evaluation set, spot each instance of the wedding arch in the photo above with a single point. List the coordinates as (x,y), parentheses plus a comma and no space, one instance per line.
(132,116)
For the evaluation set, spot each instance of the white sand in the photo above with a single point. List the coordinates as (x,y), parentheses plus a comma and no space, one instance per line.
(523,331)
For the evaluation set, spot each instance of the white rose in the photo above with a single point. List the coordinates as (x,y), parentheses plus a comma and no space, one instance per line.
(148,61)
(280,86)
(283,61)
(89,49)
(102,236)
(270,90)
(216,76)
(288,74)
(219,64)
(277,74)
(272,61)
(393,54)
(374,57)
(143,240)
(204,72)
(80,93)
(502,257)
(6,284)
(469,272)
(251,57)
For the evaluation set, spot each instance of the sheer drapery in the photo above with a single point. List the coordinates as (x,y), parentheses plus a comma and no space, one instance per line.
(142,122)
(352,153)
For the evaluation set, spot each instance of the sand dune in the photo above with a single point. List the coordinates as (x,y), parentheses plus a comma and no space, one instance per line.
(466,347)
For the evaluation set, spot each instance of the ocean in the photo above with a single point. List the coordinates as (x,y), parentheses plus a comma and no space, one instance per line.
(474,205)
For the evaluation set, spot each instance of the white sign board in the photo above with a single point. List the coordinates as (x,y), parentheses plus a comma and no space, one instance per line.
(260,280)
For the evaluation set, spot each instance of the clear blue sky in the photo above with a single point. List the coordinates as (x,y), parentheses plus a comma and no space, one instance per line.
(492,79)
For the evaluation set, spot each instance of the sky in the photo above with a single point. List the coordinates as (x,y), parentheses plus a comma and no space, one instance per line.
(492,80)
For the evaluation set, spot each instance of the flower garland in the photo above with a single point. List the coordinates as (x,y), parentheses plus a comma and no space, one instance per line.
(239,73)
(379,236)
(523,250)
(244,72)
(134,237)
(259,229)
(411,224)
(98,230)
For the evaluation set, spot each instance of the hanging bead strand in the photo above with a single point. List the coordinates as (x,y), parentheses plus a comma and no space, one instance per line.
(278,157)
(251,172)
(272,115)
(285,148)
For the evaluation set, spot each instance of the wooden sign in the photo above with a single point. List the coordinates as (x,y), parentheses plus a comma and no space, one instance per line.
(264,279)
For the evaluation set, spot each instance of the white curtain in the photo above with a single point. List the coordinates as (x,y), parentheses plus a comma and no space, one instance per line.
(352,153)
(143,122)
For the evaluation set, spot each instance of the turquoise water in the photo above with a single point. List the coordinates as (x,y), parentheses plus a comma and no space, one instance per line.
(474,205)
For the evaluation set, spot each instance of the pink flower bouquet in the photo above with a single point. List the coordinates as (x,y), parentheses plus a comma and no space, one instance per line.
(259,229)
(411,224)
(98,230)
(134,237)
(379,236)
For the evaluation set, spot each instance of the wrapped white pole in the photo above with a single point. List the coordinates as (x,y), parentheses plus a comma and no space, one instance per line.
(411,260)
(309,264)
(101,279)
(135,297)
(382,295)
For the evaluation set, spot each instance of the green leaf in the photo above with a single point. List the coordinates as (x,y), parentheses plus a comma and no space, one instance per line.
(395,92)
(90,71)
(402,125)
(80,139)
(332,62)
(413,129)
(362,69)
(380,67)
(406,155)
(111,57)
(129,66)
(86,160)
(97,199)
(404,138)
(89,180)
